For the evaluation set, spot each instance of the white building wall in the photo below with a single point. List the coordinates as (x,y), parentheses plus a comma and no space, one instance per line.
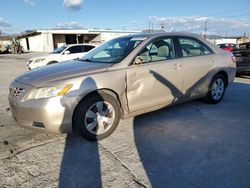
(108,36)
(222,41)
(48,45)
(36,43)
(39,43)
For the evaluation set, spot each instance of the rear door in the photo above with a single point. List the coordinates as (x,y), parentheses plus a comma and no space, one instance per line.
(197,64)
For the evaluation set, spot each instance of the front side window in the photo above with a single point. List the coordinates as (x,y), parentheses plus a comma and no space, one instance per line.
(59,50)
(191,47)
(160,49)
(113,51)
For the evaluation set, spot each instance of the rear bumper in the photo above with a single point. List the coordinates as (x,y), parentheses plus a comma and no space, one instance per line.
(245,69)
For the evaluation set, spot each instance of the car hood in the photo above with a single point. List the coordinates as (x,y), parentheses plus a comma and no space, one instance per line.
(46,75)
(45,56)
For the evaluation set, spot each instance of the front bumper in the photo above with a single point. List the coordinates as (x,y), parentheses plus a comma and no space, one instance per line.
(31,65)
(52,115)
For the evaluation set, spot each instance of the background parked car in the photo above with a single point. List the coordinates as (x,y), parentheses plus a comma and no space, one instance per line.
(64,53)
(242,55)
(227,46)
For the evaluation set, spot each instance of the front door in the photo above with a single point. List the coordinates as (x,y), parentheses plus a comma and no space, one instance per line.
(157,80)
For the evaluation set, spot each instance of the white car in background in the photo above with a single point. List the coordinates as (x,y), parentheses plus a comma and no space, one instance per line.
(64,53)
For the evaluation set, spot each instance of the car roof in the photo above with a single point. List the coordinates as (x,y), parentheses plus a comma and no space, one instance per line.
(226,43)
(84,44)
(158,34)
(152,36)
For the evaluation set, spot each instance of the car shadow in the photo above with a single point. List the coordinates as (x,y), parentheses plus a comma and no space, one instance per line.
(197,149)
(80,165)
(180,146)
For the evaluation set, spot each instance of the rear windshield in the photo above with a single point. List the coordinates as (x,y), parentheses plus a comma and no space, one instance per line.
(226,45)
(245,46)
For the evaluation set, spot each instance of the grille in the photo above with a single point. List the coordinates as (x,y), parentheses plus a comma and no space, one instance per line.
(15,93)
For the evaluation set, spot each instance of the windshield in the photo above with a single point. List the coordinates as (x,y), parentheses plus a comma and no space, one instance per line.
(59,50)
(113,51)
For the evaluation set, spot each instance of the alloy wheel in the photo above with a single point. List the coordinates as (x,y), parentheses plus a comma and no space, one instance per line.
(218,88)
(99,117)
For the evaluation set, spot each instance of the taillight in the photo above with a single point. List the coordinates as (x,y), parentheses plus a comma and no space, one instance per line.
(233,59)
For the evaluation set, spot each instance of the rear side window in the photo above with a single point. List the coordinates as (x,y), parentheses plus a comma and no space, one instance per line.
(191,47)
(86,48)
(75,49)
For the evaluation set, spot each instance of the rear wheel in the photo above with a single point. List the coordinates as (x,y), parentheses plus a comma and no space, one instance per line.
(216,89)
(97,116)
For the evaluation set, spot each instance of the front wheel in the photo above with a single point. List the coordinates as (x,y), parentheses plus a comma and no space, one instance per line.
(216,89)
(97,116)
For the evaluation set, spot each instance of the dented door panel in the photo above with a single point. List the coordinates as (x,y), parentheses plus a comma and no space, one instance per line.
(153,84)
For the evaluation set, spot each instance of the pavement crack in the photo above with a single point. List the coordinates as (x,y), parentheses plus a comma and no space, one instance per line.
(135,178)
(14,153)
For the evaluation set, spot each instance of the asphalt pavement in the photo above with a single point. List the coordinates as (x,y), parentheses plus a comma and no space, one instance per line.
(187,145)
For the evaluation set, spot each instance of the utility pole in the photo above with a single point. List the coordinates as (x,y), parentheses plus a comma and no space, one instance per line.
(205,30)
(149,26)
(244,37)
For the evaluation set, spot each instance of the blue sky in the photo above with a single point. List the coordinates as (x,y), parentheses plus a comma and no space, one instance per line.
(224,17)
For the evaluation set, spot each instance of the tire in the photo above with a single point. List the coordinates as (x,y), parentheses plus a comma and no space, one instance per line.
(97,116)
(51,62)
(216,89)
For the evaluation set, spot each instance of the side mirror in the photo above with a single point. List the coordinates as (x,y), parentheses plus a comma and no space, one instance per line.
(66,52)
(138,60)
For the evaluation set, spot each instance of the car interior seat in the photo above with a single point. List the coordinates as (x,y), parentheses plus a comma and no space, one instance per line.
(163,52)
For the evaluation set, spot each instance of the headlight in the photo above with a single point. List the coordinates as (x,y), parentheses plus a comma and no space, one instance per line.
(47,92)
(29,62)
(38,60)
